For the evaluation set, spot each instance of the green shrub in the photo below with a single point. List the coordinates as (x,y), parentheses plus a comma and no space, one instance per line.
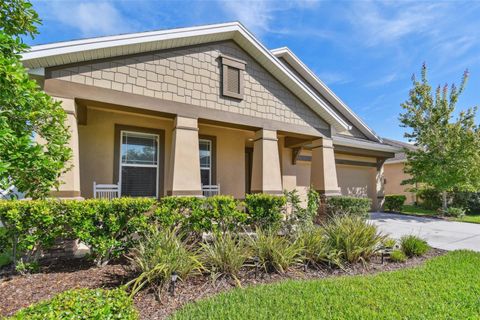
(82,304)
(389,243)
(108,227)
(225,255)
(274,252)
(222,213)
(394,202)
(176,211)
(30,227)
(430,198)
(198,215)
(340,205)
(264,210)
(454,212)
(398,256)
(357,239)
(315,249)
(157,255)
(297,215)
(468,200)
(413,246)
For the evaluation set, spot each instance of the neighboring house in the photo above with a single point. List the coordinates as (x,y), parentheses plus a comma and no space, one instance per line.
(167,112)
(394,172)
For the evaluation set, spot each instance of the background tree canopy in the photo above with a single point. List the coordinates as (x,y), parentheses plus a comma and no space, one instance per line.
(33,135)
(448,157)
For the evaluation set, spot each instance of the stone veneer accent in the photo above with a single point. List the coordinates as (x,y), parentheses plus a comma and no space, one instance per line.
(192,75)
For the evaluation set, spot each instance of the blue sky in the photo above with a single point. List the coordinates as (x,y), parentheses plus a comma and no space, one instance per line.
(366,51)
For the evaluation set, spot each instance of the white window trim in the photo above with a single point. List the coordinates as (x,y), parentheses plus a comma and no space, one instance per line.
(120,165)
(209,168)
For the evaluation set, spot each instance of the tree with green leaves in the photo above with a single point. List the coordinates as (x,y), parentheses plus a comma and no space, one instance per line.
(448,157)
(33,135)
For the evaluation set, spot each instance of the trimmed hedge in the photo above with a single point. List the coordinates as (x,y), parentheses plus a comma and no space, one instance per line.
(220,213)
(394,202)
(107,227)
(193,214)
(264,210)
(82,304)
(341,205)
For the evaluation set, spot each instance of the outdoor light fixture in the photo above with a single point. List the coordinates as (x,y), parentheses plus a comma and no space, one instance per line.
(256,260)
(305,265)
(173,282)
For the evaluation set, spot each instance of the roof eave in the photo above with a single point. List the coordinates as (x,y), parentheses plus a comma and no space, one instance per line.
(295,62)
(38,56)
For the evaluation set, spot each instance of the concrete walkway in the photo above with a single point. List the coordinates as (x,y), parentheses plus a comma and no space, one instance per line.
(447,235)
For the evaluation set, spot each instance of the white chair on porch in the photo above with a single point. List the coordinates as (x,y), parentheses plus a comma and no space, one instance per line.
(210,190)
(106,191)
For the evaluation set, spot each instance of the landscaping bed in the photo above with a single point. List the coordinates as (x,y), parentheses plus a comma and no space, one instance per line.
(17,292)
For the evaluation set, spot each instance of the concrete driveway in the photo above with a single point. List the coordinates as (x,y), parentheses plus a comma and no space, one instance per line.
(447,235)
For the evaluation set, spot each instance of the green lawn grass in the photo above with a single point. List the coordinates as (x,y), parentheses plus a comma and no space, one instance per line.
(447,287)
(418,211)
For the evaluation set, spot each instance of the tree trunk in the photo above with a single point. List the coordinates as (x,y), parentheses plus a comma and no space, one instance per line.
(444,201)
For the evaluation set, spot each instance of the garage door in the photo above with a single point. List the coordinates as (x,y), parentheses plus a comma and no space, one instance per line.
(356,181)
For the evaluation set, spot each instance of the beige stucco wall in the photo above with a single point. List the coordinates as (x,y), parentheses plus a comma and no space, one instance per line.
(97,144)
(193,75)
(394,176)
(97,149)
(230,161)
(294,176)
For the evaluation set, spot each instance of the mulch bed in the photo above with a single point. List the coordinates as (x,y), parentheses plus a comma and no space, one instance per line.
(17,292)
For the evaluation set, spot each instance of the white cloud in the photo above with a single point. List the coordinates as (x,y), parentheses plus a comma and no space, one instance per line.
(380,23)
(334,78)
(383,80)
(259,15)
(91,18)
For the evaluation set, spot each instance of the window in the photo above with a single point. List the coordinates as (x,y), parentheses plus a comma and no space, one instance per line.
(206,161)
(139,164)
(232,73)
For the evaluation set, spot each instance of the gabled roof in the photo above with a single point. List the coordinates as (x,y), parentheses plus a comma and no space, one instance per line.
(286,54)
(400,156)
(60,53)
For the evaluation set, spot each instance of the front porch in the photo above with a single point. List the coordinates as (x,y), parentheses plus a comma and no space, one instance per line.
(155,154)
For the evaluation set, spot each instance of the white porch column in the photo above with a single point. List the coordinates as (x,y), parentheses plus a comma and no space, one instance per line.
(70,181)
(323,172)
(379,186)
(266,174)
(184,175)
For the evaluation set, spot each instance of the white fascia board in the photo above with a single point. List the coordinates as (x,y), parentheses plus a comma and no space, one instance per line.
(355,143)
(232,29)
(60,48)
(318,84)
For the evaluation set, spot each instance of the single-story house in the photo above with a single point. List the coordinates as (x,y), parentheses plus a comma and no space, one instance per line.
(394,172)
(171,112)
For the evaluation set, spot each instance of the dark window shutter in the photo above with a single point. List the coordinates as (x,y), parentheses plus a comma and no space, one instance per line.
(233,80)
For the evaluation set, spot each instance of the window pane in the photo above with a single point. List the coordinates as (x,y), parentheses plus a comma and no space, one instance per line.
(205,153)
(205,177)
(139,149)
(139,181)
